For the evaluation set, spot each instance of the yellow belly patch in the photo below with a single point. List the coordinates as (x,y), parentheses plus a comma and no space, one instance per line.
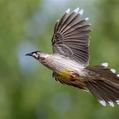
(68,74)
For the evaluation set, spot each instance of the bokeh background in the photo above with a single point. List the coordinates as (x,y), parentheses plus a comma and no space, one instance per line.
(27,89)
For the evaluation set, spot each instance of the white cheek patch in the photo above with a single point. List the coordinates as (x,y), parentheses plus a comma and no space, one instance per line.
(35,55)
(46,56)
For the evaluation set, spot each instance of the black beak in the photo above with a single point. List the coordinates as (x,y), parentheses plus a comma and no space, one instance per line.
(28,54)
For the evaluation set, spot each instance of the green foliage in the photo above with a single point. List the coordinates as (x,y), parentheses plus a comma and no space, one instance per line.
(32,93)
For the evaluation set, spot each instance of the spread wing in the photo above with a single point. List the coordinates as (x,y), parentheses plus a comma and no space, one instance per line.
(71,36)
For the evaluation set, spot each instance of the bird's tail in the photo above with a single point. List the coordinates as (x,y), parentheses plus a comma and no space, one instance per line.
(105,85)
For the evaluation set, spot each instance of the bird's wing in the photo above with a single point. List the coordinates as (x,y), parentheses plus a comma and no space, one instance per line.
(71,36)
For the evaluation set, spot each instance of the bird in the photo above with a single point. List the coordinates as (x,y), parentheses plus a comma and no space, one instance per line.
(70,59)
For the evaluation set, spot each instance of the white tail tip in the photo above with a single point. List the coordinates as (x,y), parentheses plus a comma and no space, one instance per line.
(117,101)
(102,102)
(113,70)
(111,103)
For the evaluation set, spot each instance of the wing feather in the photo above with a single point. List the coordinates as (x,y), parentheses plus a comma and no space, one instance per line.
(71,37)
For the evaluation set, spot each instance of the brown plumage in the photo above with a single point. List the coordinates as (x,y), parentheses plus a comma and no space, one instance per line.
(70,59)
(71,37)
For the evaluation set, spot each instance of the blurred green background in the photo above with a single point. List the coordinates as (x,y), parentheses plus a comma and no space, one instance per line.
(27,89)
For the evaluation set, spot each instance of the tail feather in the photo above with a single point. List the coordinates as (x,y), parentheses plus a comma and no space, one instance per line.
(105,85)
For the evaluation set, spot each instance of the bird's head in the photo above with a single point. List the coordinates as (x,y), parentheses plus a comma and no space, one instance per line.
(38,55)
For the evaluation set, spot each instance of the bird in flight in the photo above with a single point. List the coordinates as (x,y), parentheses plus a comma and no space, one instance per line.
(70,59)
